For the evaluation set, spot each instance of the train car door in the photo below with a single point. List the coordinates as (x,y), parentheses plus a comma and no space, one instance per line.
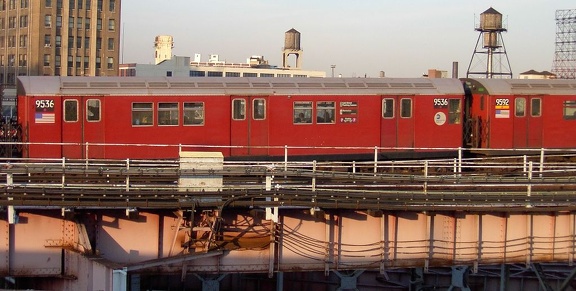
(81,124)
(249,126)
(397,129)
(528,122)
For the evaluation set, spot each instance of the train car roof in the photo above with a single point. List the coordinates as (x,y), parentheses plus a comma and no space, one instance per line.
(133,86)
(522,86)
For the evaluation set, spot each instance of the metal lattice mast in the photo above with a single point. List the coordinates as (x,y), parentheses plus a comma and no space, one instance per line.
(565,55)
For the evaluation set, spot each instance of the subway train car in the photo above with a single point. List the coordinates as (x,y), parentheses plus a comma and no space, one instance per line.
(522,114)
(121,117)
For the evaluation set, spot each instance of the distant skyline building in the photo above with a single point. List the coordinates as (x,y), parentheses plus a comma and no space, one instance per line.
(61,38)
(490,59)
(565,56)
(168,65)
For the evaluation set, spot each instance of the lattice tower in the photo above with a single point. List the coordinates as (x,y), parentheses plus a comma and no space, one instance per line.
(565,55)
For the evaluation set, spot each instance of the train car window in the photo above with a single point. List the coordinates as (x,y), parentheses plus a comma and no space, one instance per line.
(536,107)
(454,111)
(388,108)
(70,110)
(168,114)
(303,112)
(193,113)
(238,109)
(406,108)
(259,109)
(325,112)
(93,110)
(520,107)
(570,109)
(142,114)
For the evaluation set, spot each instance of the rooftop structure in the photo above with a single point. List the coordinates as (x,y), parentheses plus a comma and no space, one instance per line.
(565,56)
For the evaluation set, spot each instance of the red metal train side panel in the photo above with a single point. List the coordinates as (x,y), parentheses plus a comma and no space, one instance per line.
(39,117)
(438,121)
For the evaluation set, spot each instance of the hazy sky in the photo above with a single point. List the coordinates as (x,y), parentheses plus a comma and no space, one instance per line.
(401,38)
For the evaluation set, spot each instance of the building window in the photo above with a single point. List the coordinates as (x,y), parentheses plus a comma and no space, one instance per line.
(79,22)
(142,114)
(70,61)
(48,3)
(232,74)
(110,44)
(70,110)
(111,24)
(87,23)
(78,42)
(23,40)
(93,110)
(193,113)
(78,62)
(58,41)
(250,74)
(12,22)
(169,74)
(283,75)
(12,4)
(2,39)
(23,3)
(266,75)
(197,74)
(259,109)
(71,4)
(2,4)
(98,62)
(79,4)
(214,74)
(70,22)
(58,4)
(325,112)
(388,108)
(23,21)
(99,24)
(88,4)
(406,108)
(58,21)
(12,41)
(168,114)
(2,23)
(47,20)
(303,112)
(46,60)
(112,5)
(22,60)
(99,5)
(70,42)
(98,43)
(86,42)
(110,63)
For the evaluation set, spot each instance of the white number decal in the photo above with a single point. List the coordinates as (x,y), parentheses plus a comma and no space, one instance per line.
(44,104)
(502,102)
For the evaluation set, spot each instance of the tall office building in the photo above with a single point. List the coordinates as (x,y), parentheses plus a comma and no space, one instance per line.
(59,37)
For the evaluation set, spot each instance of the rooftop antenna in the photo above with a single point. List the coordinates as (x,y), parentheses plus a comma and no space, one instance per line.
(488,59)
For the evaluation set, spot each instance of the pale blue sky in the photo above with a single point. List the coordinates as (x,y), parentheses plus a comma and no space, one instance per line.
(402,38)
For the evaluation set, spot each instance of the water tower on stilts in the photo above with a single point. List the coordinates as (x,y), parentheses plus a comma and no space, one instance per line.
(490,60)
(292,47)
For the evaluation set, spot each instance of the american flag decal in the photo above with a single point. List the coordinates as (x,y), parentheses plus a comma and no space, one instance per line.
(44,117)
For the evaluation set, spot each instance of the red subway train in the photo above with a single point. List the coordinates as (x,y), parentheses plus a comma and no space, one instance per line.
(311,118)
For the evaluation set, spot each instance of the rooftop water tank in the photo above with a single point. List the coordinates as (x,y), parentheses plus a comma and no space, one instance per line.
(292,39)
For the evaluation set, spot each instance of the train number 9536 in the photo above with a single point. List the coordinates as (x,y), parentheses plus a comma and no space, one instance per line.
(44,104)
(440,102)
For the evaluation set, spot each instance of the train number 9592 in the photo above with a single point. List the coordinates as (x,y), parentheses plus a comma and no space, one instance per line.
(502,102)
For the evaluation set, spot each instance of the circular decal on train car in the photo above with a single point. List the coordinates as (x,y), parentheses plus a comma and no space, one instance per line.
(440,118)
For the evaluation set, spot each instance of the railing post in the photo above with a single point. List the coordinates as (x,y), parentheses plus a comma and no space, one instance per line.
(285,158)
(529,190)
(459,159)
(525,164)
(425,177)
(375,159)
(63,172)
(541,162)
(127,175)
(314,175)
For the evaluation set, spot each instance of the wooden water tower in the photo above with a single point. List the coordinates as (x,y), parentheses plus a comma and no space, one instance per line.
(292,47)
(490,59)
